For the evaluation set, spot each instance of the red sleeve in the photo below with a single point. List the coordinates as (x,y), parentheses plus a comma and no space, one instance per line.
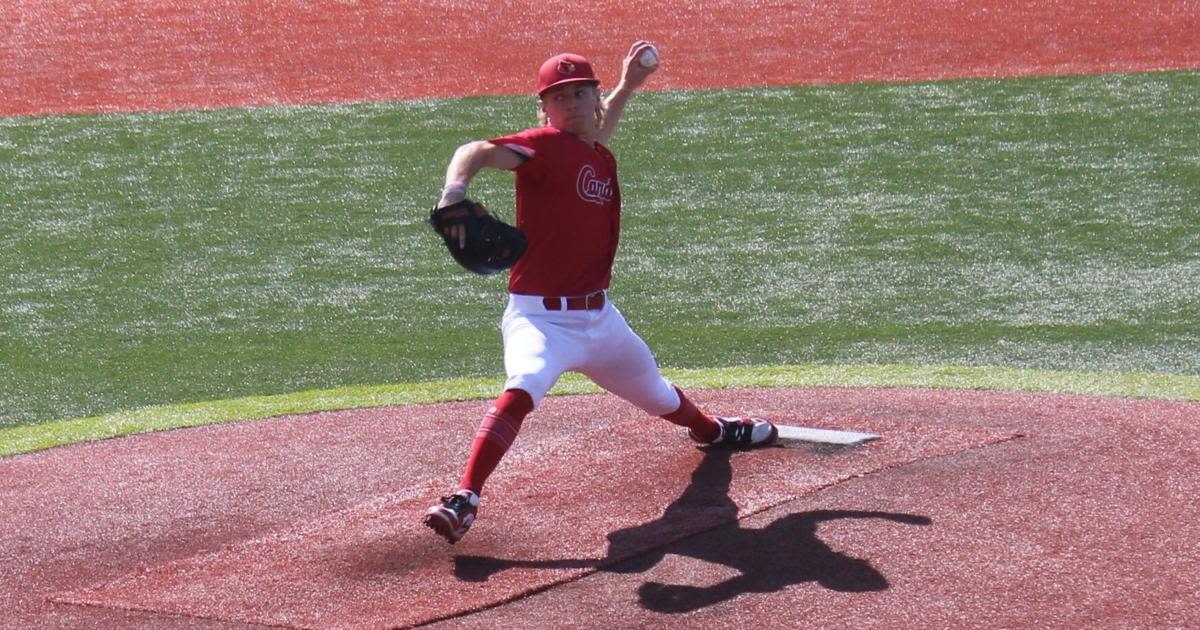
(525,144)
(520,143)
(517,143)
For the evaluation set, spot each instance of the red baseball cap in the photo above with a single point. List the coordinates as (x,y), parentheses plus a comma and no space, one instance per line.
(565,68)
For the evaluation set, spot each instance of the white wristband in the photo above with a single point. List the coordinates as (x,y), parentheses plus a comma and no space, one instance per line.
(456,187)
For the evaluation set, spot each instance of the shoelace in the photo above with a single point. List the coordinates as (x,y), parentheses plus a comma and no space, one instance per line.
(455,502)
(738,433)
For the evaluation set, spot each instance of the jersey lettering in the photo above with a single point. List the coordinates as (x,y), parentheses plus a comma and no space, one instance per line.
(591,188)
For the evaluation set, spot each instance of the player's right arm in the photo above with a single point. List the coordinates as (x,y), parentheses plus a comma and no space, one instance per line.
(468,160)
(633,75)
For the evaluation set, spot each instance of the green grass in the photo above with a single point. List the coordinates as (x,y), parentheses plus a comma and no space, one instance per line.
(1037,224)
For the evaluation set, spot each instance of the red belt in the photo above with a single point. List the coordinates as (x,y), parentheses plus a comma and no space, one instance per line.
(590,302)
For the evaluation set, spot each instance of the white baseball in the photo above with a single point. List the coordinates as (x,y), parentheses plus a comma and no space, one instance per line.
(649,57)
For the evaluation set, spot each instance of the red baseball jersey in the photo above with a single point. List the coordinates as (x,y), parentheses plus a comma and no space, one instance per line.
(569,206)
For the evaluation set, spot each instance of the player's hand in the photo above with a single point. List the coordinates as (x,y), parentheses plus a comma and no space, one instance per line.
(457,232)
(633,74)
(478,241)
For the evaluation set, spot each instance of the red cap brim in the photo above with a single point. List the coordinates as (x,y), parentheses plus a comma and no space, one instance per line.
(566,81)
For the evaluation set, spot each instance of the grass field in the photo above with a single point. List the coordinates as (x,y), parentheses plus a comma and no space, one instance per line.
(1042,224)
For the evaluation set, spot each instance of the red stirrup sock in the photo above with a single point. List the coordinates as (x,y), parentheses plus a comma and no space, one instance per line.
(494,437)
(701,426)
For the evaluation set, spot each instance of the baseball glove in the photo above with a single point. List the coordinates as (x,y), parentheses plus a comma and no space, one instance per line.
(489,245)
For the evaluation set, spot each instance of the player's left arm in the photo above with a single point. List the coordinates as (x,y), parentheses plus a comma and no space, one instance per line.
(633,75)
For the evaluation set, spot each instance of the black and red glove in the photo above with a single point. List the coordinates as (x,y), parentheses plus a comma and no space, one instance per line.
(478,241)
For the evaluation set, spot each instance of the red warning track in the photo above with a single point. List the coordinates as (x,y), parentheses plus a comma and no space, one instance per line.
(106,55)
(975,509)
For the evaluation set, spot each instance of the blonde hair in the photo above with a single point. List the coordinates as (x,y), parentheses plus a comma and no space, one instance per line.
(544,120)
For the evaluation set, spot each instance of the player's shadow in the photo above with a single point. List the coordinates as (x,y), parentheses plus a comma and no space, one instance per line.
(768,559)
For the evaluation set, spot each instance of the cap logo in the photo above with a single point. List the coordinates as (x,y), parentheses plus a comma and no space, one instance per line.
(566,67)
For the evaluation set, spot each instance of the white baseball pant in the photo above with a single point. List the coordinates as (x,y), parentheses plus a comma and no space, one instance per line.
(541,344)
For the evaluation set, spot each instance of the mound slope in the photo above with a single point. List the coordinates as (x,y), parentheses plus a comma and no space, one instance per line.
(311,521)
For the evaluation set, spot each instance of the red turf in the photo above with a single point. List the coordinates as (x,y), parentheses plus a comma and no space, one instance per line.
(160,55)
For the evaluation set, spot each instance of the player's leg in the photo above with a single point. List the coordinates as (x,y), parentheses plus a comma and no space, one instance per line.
(538,349)
(456,513)
(536,353)
(622,363)
(535,356)
(496,434)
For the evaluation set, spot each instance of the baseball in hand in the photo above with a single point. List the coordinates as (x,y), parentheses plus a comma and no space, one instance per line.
(649,57)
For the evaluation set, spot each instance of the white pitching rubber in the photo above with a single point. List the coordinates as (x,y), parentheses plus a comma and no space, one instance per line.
(823,436)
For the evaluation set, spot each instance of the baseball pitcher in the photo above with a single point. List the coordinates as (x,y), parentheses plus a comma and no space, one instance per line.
(560,254)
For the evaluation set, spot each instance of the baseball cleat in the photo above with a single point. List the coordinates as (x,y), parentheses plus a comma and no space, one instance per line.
(744,433)
(454,516)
